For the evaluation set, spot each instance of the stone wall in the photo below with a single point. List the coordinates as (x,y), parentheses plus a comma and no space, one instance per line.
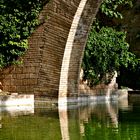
(52,63)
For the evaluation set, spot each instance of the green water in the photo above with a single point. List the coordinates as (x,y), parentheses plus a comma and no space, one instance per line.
(102,121)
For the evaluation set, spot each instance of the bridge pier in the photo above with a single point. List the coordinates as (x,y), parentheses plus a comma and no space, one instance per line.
(51,66)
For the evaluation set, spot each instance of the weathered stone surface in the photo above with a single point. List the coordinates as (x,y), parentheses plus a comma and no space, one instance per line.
(52,63)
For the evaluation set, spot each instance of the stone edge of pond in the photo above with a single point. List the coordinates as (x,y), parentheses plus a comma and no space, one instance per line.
(118,95)
(6,98)
(15,99)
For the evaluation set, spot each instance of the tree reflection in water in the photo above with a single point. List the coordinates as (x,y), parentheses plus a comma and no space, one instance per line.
(88,121)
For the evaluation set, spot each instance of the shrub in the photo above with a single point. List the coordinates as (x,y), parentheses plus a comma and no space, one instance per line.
(105,52)
(18,19)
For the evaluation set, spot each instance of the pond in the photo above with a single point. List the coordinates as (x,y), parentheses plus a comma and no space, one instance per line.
(92,121)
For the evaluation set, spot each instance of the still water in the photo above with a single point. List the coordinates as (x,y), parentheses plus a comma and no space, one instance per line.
(93,121)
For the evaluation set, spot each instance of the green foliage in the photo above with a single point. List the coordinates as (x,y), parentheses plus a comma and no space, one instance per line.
(107,49)
(105,52)
(110,7)
(18,19)
(111,12)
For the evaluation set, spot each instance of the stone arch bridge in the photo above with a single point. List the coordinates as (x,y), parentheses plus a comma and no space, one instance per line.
(52,63)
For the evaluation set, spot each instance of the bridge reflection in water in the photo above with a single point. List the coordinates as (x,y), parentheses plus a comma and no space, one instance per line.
(73,122)
(83,113)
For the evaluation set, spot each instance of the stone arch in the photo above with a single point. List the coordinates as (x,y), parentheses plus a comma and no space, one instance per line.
(52,63)
(71,64)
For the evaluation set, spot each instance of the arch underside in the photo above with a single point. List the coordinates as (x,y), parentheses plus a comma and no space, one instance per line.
(73,54)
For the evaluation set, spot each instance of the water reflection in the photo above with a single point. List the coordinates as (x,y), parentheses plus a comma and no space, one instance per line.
(77,117)
(63,118)
(17,110)
(14,111)
(96,114)
(95,120)
(105,121)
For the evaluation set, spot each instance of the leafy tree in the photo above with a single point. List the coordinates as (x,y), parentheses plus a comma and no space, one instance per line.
(106,50)
(111,7)
(18,19)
